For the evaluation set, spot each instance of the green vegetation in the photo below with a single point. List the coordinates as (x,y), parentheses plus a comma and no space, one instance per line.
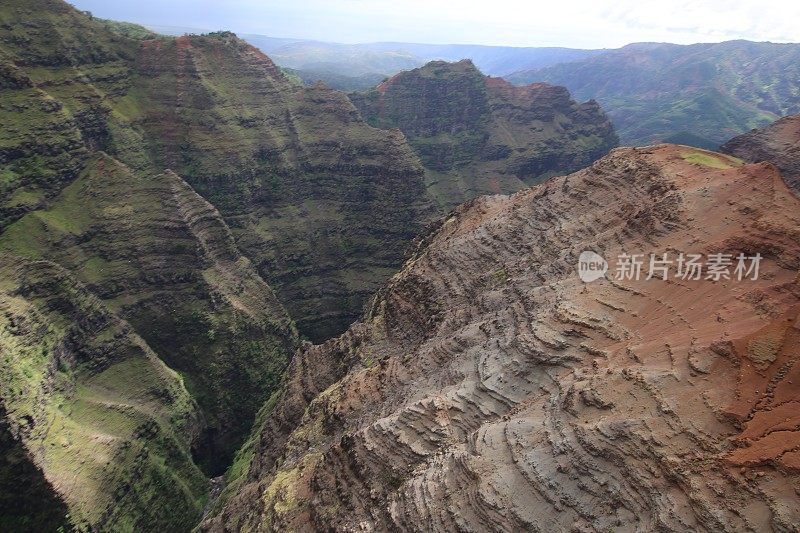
(499,277)
(128,29)
(94,405)
(655,91)
(27,500)
(333,78)
(236,474)
(709,159)
(151,277)
(233,359)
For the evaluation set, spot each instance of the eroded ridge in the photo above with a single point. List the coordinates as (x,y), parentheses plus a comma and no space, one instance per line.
(488,388)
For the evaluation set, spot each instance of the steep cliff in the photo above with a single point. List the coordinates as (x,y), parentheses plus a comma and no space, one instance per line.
(150,342)
(778,143)
(161,257)
(481,135)
(100,416)
(322,203)
(489,388)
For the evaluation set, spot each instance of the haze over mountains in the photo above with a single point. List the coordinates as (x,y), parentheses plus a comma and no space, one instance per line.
(491,60)
(361,66)
(235,299)
(699,94)
(712,91)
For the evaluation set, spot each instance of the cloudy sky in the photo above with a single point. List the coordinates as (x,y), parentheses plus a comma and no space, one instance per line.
(572,23)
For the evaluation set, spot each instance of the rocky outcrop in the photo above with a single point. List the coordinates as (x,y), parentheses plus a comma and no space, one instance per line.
(481,135)
(778,143)
(489,388)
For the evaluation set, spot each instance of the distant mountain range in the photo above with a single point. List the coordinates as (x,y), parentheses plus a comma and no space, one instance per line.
(701,94)
(356,62)
(654,92)
(386,57)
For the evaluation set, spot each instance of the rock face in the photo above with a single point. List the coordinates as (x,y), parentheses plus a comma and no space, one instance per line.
(323,204)
(488,388)
(481,135)
(778,143)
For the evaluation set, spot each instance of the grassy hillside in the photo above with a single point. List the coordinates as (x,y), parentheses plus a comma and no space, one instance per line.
(163,259)
(714,91)
(109,424)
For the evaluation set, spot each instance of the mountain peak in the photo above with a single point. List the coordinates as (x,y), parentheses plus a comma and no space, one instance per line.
(484,129)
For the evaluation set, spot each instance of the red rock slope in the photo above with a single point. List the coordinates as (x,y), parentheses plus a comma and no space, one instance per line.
(489,389)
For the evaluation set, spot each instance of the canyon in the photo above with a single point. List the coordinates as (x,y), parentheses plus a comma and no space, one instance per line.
(230,301)
(177,218)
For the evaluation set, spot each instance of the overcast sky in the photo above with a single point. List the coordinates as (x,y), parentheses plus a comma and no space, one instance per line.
(571,23)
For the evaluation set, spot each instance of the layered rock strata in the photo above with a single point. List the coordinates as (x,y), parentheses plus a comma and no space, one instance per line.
(488,388)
